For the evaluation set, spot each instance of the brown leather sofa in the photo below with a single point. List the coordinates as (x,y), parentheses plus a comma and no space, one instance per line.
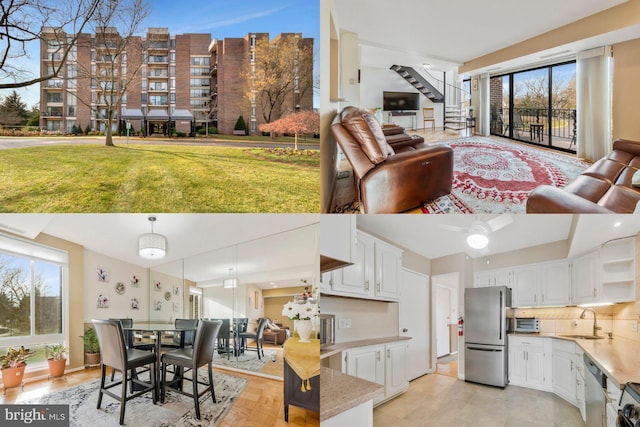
(605,187)
(394,171)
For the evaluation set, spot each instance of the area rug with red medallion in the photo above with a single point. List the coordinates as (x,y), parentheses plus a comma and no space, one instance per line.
(491,176)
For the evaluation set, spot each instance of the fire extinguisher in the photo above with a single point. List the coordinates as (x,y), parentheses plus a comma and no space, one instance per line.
(460,326)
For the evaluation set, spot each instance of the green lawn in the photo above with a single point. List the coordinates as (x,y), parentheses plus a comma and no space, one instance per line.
(149,178)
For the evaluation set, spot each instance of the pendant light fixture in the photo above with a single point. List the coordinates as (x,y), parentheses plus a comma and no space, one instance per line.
(230,282)
(152,245)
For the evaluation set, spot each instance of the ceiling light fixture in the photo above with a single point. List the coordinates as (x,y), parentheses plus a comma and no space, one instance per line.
(231,282)
(152,245)
(617,224)
(478,237)
(426,66)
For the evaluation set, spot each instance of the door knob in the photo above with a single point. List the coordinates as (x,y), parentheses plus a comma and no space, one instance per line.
(405,330)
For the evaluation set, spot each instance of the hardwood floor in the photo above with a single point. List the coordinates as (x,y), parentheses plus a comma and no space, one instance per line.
(260,404)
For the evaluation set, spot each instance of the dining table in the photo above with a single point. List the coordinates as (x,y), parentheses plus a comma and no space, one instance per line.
(158,330)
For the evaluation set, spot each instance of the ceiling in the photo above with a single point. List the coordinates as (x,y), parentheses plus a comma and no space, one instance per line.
(449,33)
(203,239)
(425,235)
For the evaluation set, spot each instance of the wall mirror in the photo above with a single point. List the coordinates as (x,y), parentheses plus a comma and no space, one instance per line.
(240,283)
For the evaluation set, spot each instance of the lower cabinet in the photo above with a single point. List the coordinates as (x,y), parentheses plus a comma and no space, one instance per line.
(564,370)
(530,362)
(384,364)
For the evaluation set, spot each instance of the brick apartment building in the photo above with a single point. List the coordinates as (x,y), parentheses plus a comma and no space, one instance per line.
(173,81)
(229,60)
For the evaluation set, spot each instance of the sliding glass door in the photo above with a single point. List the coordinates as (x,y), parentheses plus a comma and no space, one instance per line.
(536,106)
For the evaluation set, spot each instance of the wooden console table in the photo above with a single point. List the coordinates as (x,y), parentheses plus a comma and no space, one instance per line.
(301,375)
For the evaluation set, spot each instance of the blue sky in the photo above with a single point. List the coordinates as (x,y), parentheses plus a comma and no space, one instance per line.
(221,18)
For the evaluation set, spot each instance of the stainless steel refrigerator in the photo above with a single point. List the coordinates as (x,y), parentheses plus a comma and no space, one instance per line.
(485,332)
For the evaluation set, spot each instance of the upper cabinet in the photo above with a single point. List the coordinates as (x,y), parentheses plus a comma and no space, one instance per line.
(606,274)
(375,273)
(337,241)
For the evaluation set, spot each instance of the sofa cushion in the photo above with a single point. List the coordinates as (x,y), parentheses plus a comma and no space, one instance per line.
(364,127)
(588,187)
(606,170)
(621,199)
(620,156)
(630,178)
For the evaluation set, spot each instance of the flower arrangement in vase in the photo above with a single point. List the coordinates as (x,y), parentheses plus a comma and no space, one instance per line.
(302,309)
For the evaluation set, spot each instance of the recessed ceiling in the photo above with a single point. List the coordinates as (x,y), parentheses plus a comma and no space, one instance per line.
(425,235)
(456,31)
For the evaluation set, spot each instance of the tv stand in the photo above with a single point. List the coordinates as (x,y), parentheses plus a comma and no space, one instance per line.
(412,114)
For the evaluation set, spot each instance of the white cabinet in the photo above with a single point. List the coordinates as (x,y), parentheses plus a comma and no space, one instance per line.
(375,273)
(385,364)
(396,369)
(356,279)
(387,273)
(555,283)
(492,278)
(338,237)
(585,284)
(564,370)
(580,383)
(368,364)
(524,281)
(529,362)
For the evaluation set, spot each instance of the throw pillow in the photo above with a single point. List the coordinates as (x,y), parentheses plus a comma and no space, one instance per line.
(635,179)
(366,130)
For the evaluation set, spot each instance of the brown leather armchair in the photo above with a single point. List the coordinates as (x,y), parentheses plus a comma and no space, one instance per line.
(394,177)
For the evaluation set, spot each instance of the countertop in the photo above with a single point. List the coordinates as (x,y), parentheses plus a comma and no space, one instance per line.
(619,358)
(340,392)
(340,347)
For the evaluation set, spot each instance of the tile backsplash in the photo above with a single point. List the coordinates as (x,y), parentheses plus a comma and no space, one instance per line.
(620,319)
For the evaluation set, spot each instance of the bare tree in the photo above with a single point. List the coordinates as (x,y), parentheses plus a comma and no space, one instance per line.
(280,75)
(118,53)
(22,23)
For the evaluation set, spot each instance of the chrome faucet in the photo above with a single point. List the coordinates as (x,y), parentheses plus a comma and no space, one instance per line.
(595,321)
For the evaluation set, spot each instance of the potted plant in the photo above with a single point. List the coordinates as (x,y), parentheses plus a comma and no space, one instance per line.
(13,365)
(56,357)
(91,347)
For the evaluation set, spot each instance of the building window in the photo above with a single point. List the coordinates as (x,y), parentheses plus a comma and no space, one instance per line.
(33,293)
(144,84)
(54,97)
(172,70)
(143,98)
(173,83)
(173,56)
(200,82)
(173,98)
(158,99)
(200,60)
(70,125)
(172,44)
(253,126)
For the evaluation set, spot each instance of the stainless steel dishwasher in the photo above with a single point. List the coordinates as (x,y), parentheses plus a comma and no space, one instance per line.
(595,385)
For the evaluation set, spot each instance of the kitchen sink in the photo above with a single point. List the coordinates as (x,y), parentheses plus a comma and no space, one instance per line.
(583,337)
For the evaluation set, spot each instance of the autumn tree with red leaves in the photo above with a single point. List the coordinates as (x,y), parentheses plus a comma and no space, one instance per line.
(301,123)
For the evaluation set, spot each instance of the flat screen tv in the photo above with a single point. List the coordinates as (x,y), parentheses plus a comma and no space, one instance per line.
(400,101)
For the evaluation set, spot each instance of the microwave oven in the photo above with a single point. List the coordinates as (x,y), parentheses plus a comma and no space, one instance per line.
(327,330)
(529,325)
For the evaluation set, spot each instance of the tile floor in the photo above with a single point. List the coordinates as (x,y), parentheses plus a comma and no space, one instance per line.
(438,400)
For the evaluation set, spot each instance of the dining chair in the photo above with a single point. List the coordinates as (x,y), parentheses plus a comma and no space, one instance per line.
(188,335)
(240,325)
(190,359)
(224,336)
(115,354)
(127,323)
(428,115)
(257,336)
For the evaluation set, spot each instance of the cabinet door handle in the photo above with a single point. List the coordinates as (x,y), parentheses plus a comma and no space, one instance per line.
(572,365)
(378,287)
(388,353)
(331,283)
(378,355)
(366,285)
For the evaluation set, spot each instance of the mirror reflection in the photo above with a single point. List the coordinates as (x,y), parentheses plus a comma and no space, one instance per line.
(246,285)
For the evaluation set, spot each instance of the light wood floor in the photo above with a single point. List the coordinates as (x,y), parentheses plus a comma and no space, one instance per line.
(260,404)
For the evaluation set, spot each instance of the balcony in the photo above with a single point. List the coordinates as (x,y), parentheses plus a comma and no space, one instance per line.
(535,125)
(52,114)
(213,70)
(52,57)
(54,85)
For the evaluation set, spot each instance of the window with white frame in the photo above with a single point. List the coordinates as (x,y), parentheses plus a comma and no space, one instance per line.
(33,296)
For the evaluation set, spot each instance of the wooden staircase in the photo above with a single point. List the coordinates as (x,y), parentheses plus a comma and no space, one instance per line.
(416,80)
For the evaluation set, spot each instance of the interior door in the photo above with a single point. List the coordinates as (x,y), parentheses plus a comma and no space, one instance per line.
(414,321)
(443,318)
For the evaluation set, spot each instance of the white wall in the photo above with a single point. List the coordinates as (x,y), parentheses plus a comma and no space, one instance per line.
(171,304)
(119,305)
(369,319)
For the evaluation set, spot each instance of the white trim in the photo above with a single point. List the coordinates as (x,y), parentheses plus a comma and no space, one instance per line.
(31,249)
